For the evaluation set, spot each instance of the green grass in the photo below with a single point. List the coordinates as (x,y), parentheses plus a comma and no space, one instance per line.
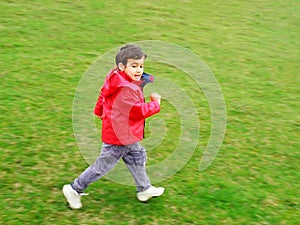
(251,47)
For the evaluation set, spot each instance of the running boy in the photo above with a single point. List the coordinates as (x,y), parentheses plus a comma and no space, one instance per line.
(123,111)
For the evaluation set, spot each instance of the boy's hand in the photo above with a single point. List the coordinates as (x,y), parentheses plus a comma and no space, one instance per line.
(155,97)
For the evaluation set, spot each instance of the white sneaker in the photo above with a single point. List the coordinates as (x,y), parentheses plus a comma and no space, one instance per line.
(149,193)
(72,196)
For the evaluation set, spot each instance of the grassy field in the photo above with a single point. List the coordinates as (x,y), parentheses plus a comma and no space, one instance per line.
(252,48)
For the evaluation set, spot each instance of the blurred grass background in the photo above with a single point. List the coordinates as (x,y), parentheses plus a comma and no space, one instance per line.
(251,47)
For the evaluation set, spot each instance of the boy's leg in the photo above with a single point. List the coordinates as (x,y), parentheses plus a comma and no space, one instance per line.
(109,157)
(135,160)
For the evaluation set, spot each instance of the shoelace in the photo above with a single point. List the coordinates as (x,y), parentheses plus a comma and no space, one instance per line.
(83,194)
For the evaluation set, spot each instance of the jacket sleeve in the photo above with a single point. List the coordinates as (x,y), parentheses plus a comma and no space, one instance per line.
(132,103)
(144,110)
(98,110)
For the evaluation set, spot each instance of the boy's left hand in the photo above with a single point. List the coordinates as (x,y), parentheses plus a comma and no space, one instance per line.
(155,97)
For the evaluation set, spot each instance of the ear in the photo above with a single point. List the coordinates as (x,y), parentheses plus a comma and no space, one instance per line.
(121,66)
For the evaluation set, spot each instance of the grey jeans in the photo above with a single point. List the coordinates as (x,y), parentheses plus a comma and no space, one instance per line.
(133,155)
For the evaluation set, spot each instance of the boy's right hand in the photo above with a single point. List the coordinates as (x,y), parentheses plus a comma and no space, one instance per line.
(155,97)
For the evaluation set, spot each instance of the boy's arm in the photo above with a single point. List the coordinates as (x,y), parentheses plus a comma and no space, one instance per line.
(98,110)
(144,110)
(133,105)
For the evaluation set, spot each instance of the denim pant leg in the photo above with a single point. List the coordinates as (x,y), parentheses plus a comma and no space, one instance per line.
(135,160)
(109,157)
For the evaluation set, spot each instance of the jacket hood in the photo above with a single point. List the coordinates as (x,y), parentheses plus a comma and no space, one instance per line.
(115,80)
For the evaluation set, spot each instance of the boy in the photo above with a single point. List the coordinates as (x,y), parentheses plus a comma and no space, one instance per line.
(123,111)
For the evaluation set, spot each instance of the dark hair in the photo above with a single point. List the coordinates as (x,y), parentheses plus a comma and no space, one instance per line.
(129,51)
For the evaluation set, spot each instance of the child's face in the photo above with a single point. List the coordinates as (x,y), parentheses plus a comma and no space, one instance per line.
(134,68)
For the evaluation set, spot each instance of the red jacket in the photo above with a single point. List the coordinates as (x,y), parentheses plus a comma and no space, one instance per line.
(123,110)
